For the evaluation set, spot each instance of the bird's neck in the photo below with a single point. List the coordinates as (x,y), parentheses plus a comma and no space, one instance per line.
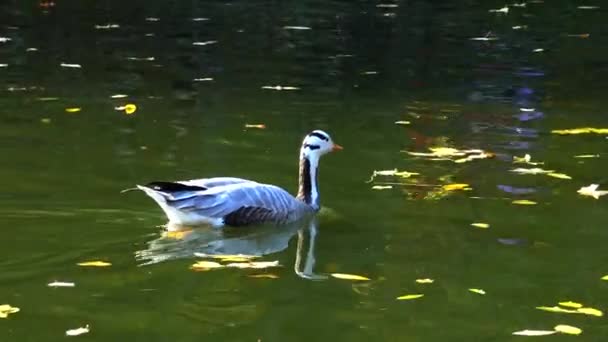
(308,189)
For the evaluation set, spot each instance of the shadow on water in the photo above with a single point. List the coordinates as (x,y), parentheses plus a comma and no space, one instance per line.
(257,241)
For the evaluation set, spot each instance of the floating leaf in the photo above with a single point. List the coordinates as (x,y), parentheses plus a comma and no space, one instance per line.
(393,172)
(458,156)
(559,175)
(456,186)
(258,126)
(567,329)
(381,187)
(580,130)
(524,202)
(225,256)
(480,225)
(590,311)
(78,331)
(129,108)
(555,309)
(70,65)
(592,191)
(534,332)
(532,171)
(73,110)
(478,291)
(587,156)
(96,263)
(425,281)
(61,284)
(604,277)
(254,264)
(205,265)
(571,304)
(402,122)
(525,160)
(410,296)
(6,309)
(265,275)
(347,276)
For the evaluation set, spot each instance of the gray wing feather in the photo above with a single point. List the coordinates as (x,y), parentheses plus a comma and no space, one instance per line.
(215,181)
(220,201)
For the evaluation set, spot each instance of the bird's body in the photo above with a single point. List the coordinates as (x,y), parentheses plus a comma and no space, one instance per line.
(236,202)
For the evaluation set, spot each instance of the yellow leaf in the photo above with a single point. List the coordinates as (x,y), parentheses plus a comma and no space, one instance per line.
(225,256)
(406,174)
(478,291)
(347,276)
(480,225)
(456,186)
(587,156)
(205,265)
(258,126)
(6,309)
(402,122)
(580,130)
(130,108)
(524,202)
(592,191)
(96,263)
(254,264)
(590,311)
(534,332)
(571,304)
(532,171)
(555,309)
(604,277)
(73,110)
(77,331)
(425,281)
(559,175)
(235,259)
(567,329)
(265,275)
(410,296)
(45,120)
(382,187)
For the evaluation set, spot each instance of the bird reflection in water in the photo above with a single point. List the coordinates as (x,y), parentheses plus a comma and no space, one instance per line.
(259,241)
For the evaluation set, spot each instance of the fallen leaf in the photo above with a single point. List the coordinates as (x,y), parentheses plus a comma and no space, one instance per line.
(347,276)
(590,311)
(532,171)
(265,275)
(94,264)
(524,202)
(478,291)
(604,277)
(580,130)
(225,256)
(258,126)
(555,309)
(534,332)
(587,156)
(480,225)
(456,186)
(73,110)
(205,265)
(402,122)
(592,191)
(70,65)
(78,331)
(525,160)
(567,329)
(410,296)
(425,281)
(6,309)
(61,284)
(571,304)
(381,187)
(559,175)
(129,108)
(254,264)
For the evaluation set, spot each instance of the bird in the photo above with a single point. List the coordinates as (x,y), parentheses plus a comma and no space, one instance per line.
(230,201)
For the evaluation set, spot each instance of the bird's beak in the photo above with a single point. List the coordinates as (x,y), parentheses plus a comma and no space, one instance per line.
(336,147)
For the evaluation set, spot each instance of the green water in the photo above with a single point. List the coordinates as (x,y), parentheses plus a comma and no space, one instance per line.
(358,69)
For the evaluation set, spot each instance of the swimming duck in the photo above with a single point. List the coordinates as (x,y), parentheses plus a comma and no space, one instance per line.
(233,201)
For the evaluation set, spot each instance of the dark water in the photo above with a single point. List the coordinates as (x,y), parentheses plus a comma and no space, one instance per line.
(358,67)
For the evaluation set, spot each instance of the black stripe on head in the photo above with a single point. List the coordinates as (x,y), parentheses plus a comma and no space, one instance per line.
(319,135)
(312,147)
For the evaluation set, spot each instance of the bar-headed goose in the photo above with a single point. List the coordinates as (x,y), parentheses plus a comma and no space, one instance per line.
(237,202)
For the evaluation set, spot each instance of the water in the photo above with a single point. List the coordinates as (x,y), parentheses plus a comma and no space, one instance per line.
(358,69)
